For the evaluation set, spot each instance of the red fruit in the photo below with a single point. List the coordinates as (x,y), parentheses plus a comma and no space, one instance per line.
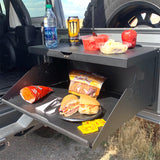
(129,38)
(104,37)
(94,42)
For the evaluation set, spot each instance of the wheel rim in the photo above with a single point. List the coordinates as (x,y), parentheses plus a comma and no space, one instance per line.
(135,14)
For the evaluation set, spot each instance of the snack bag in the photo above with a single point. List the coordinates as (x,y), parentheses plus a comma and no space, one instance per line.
(88,129)
(86,83)
(91,126)
(97,122)
(32,94)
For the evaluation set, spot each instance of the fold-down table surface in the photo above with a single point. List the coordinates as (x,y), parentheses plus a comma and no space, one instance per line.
(117,108)
(77,53)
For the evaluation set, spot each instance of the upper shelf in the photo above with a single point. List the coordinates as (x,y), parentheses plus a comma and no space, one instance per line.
(126,60)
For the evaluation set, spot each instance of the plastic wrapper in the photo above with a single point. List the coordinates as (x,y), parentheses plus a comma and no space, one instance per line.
(97,122)
(32,94)
(113,47)
(91,126)
(88,129)
(85,83)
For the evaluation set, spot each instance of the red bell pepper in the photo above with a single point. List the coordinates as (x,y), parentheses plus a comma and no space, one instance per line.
(129,38)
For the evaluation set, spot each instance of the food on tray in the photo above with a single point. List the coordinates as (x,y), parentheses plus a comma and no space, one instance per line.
(85,83)
(96,122)
(69,105)
(88,129)
(94,42)
(33,93)
(99,122)
(129,38)
(91,126)
(84,105)
(113,47)
(88,105)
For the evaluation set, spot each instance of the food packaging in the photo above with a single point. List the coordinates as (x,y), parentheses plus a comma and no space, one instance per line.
(33,93)
(86,83)
(92,126)
(93,43)
(113,47)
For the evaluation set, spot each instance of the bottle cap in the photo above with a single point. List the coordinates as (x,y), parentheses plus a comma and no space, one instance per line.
(48,6)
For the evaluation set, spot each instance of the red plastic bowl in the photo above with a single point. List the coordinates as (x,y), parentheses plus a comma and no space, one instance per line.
(93,43)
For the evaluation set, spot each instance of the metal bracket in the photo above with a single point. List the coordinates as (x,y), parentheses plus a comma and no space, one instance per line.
(2,143)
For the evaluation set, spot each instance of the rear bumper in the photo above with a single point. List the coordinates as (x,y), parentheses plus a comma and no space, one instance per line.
(150,116)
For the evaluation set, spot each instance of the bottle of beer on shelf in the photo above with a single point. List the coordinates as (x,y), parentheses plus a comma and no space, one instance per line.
(50,27)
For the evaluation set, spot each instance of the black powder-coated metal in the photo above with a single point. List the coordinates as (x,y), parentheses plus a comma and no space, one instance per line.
(77,53)
(13,99)
(127,90)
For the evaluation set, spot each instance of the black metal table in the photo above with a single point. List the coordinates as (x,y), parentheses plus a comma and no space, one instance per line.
(131,73)
(77,53)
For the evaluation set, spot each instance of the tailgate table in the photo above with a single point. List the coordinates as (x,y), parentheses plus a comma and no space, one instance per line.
(128,90)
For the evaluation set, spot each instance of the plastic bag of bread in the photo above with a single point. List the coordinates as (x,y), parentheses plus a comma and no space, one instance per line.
(86,83)
(113,47)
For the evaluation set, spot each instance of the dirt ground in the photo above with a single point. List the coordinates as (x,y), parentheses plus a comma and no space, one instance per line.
(47,144)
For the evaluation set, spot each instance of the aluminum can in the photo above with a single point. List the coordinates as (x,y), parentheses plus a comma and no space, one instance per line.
(73,30)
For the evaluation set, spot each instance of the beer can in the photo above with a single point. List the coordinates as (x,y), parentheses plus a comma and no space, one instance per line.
(73,30)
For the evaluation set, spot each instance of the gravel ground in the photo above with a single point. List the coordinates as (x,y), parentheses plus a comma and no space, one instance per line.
(47,144)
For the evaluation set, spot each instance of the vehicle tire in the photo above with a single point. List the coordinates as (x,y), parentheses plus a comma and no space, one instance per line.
(125,13)
(99,16)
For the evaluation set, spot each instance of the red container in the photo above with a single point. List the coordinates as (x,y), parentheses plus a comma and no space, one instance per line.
(93,43)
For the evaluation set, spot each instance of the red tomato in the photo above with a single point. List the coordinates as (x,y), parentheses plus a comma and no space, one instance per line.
(129,38)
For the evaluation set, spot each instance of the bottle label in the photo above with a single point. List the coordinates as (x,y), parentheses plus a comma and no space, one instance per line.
(50,33)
